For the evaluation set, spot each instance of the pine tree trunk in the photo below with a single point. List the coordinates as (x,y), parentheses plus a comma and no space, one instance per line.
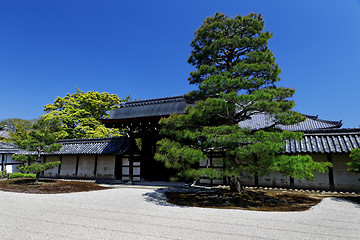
(37,177)
(235,185)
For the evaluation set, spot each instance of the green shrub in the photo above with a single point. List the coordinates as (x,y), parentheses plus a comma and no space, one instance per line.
(22,175)
(3,174)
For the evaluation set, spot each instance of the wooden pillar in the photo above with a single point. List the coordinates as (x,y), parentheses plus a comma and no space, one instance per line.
(331,173)
(256,180)
(42,173)
(292,182)
(2,161)
(256,177)
(95,165)
(77,165)
(131,156)
(59,168)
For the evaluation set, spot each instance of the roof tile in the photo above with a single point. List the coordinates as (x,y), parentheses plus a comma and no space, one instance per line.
(326,141)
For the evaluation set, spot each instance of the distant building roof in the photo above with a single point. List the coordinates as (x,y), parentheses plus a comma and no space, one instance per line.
(326,141)
(316,141)
(98,146)
(163,107)
(159,107)
(260,121)
(8,147)
(4,134)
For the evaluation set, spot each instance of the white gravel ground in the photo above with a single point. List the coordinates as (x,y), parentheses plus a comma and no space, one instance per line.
(142,213)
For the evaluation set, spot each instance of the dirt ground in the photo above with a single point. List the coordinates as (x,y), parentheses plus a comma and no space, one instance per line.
(47,186)
(255,199)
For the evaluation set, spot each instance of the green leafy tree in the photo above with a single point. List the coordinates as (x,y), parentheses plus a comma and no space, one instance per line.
(39,139)
(80,113)
(354,165)
(16,127)
(16,124)
(236,76)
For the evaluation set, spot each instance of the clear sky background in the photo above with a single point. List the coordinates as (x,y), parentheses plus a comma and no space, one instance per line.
(140,48)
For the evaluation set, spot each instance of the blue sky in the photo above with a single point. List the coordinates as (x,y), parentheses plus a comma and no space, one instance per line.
(50,48)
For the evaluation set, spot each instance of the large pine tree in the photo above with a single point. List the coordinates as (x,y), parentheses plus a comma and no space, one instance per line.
(236,76)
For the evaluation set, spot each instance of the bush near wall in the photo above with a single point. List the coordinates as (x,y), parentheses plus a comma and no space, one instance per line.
(22,175)
(2,174)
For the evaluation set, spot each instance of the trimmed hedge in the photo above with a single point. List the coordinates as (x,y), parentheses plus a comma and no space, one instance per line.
(22,175)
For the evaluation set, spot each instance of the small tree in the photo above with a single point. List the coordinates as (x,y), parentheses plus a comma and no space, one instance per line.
(39,139)
(79,114)
(236,75)
(354,165)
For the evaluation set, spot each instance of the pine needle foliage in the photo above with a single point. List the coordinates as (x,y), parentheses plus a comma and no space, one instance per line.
(36,141)
(236,76)
(354,165)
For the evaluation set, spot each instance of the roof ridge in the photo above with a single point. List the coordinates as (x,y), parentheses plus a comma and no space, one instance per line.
(90,139)
(178,98)
(9,144)
(329,121)
(333,131)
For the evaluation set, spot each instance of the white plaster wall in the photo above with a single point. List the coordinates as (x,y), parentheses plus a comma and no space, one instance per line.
(205,163)
(54,171)
(68,166)
(86,166)
(274,180)
(9,168)
(218,181)
(343,179)
(246,179)
(105,167)
(321,180)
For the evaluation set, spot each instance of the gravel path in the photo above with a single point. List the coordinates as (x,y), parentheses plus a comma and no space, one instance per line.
(142,213)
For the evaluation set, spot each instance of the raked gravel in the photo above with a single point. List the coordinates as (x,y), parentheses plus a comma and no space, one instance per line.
(142,213)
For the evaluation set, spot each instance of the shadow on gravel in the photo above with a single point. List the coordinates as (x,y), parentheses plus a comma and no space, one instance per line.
(355,200)
(158,196)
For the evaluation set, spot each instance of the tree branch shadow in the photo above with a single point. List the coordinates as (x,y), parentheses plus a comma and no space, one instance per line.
(354,200)
(158,197)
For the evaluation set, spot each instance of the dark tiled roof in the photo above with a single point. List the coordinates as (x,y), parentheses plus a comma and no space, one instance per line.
(8,147)
(326,141)
(259,121)
(159,107)
(162,107)
(100,146)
